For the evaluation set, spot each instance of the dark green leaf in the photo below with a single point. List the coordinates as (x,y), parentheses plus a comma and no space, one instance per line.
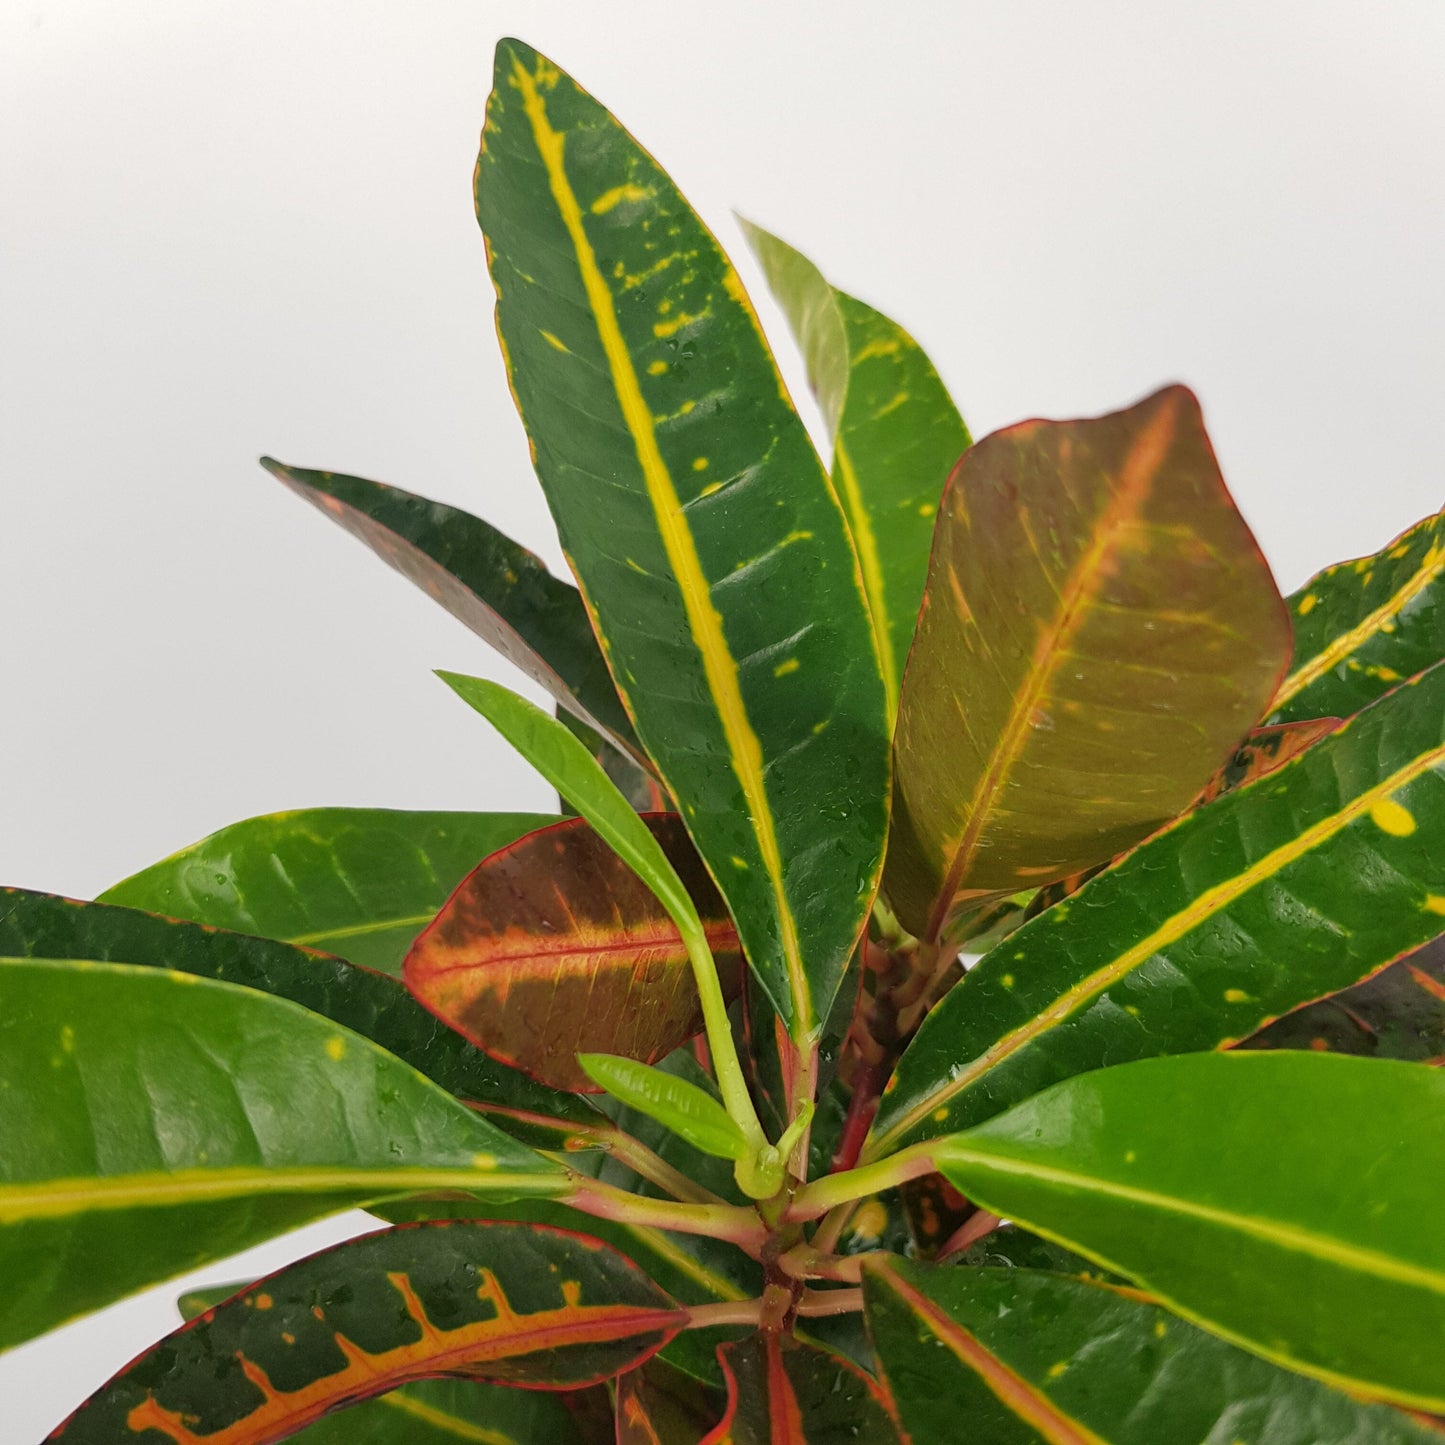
(511,1303)
(1287,1201)
(709,546)
(1098,632)
(1360,627)
(357,882)
(1289,889)
(154,1121)
(1036,1359)
(896,435)
(484,579)
(657,1405)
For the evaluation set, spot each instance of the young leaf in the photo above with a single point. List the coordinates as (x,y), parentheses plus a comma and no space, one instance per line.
(42,925)
(154,1121)
(783,1392)
(522,1305)
(1291,888)
(1312,1236)
(357,882)
(710,550)
(1026,1356)
(1098,631)
(896,435)
(554,946)
(1360,627)
(500,590)
(687,1110)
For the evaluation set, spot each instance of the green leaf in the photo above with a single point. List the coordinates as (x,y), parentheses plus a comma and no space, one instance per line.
(554,946)
(154,1121)
(500,590)
(640,789)
(357,882)
(1027,1357)
(896,435)
(784,1392)
(687,1110)
(1286,1201)
(511,1303)
(1286,890)
(710,549)
(1098,632)
(1362,626)
(42,925)
(1399,1013)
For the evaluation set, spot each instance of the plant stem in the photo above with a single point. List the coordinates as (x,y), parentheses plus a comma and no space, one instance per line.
(816,1199)
(830,1231)
(728,1312)
(817,1302)
(735,1223)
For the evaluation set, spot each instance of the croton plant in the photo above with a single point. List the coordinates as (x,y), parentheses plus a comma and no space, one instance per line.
(981,985)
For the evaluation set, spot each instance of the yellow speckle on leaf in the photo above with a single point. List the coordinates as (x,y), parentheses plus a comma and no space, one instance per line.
(608,199)
(67,1038)
(336,1048)
(1307,604)
(1433,903)
(656,368)
(1057,1369)
(1392,817)
(686,407)
(738,862)
(819,726)
(711,487)
(699,464)
(675,324)
(484,1161)
(556,343)
(940,1114)
(784,668)
(572,1292)
(927,509)
(1007,980)
(1160,1329)
(871,1220)
(1235,995)
(263,1301)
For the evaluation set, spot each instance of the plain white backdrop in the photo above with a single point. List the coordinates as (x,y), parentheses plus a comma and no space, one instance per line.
(230,227)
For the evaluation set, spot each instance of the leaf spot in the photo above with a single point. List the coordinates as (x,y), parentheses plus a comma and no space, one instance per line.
(1392,818)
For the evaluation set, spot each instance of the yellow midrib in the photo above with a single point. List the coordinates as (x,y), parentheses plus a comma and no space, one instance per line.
(704,621)
(1173,928)
(1010,1388)
(359,930)
(1290,1237)
(462,1429)
(1347,643)
(65,1198)
(861,526)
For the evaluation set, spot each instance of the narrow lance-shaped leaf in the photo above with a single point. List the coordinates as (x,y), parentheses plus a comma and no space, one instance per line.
(1314,1236)
(896,435)
(710,549)
(1362,626)
(358,882)
(1291,888)
(1098,631)
(1030,1358)
(499,589)
(513,1303)
(684,1108)
(154,1121)
(42,925)
(783,1392)
(554,946)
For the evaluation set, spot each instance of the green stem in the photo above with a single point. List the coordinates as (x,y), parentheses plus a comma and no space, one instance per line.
(733,1222)
(816,1199)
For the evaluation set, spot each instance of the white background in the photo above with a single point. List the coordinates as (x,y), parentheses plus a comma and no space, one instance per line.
(229,228)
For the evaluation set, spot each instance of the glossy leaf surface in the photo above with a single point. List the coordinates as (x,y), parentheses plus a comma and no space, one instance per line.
(554,946)
(1312,1238)
(690,1112)
(1098,631)
(710,549)
(783,1392)
(154,1121)
(1360,627)
(500,590)
(512,1303)
(1029,1358)
(1289,889)
(42,925)
(657,1405)
(357,882)
(896,435)
(1263,751)
(1397,1014)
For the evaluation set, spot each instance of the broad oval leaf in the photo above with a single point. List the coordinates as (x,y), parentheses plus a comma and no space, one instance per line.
(896,435)
(154,1121)
(554,946)
(784,1392)
(1027,1357)
(500,590)
(1098,632)
(520,1304)
(357,882)
(1290,888)
(1360,627)
(1287,1201)
(43,925)
(711,551)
